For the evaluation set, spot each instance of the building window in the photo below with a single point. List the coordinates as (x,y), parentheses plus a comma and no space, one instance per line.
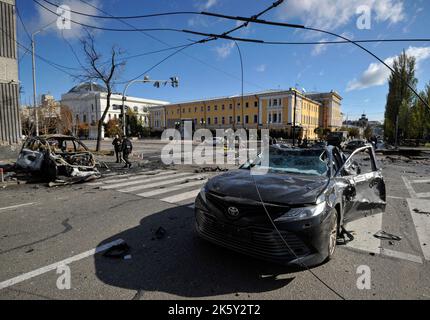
(202,121)
(183,110)
(238,105)
(230,106)
(189,110)
(238,119)
(92,107)
(270,118)
(136,109)
(255,104)
(275,102)
(247,105)
(216,120)
(201,109)
(246,119)
(255,118)
(216,108)
(280,118)
(222,107)
(275,118)
(223,120)
(85,118)
(230,120)
(270,102)
(209,120)
(209,108)
(195,109)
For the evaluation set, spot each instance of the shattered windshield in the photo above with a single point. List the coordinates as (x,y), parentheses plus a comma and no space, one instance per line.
(296,161)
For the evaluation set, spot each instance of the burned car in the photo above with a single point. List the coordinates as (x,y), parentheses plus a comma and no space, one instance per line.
(55,157)
(294,211)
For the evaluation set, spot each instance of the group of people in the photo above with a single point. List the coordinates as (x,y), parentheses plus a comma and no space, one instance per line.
(123,148)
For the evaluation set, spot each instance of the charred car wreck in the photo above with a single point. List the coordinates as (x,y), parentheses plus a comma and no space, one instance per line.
(295,211)
(57,158)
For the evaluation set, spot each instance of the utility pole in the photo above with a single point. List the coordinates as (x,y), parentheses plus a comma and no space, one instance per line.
(397,133)
(36,116)
(294,117)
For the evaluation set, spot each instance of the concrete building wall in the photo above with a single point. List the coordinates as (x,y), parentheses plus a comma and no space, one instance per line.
(10,125)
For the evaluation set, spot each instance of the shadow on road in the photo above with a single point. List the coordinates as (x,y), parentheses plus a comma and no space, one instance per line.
(182,264)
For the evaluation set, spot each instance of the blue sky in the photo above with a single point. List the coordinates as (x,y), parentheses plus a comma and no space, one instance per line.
(213,69)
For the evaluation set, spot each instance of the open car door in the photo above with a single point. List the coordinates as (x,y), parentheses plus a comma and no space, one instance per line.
(365,192)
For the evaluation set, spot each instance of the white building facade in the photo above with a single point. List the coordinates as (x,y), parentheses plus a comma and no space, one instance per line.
(88,101)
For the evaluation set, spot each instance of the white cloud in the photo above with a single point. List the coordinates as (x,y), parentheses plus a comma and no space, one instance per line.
(207,4)
(46,17)
(224,50)
(261,68)
(377,74)
(332,14)
(202,6)
(320,48)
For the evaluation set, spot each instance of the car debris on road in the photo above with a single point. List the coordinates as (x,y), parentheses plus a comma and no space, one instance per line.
(59,159)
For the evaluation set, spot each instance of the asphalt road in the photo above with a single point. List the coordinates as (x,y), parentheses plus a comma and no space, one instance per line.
(62,226)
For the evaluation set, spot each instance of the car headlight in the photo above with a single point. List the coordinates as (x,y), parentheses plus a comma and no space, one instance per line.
(303,213)
(203,191)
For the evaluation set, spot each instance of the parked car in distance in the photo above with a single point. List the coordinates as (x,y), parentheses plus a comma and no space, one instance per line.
(354,144)
(289,206)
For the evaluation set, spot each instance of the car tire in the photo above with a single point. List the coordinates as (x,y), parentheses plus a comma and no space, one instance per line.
(333,233)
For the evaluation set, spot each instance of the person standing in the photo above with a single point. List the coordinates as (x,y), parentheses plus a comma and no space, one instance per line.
(127,148)
(117,145)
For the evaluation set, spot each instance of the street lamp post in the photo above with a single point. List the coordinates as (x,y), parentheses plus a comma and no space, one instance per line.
(174,81)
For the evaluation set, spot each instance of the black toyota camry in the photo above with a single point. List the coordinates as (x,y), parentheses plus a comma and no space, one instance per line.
(290,205)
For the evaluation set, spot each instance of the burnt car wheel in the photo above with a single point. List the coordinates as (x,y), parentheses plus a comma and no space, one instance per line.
(333,232)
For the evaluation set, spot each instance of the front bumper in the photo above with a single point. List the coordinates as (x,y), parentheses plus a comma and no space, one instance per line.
(303,243)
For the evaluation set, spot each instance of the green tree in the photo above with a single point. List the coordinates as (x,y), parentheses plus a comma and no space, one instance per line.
(399,96)
(113,128)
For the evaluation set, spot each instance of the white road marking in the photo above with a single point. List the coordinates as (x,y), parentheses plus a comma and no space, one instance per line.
(170,189)
(393,197)
(409,187)
(54,266)
(162,183)
(421,181)
(18,206)
(141,180)
(182,196)
(364,229)
(401,255)
(422,223)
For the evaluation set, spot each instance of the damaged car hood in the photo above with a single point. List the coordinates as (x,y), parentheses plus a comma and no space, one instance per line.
(274,188)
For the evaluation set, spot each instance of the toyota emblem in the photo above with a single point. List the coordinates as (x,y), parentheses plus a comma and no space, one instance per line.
(233,212)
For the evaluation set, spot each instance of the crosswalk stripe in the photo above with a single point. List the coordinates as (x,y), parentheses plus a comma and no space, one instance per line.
(422,223)
(113,177)
(132,176)
(144,179)
(162,183)
(170,189)
(182,196)
(364,229)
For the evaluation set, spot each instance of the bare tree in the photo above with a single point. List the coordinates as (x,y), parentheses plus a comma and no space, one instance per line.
(96,70)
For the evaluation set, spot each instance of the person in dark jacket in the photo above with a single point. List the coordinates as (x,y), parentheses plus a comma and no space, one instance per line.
(117,145)
(127,148)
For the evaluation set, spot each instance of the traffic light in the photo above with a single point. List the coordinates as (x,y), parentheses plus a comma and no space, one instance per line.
(174,81)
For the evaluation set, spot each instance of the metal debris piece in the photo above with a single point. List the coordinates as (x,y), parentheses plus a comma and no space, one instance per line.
(119,251)
(386,236)
(160,233)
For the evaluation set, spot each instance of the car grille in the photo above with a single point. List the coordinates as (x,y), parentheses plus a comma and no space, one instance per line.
(261,242)
(255,212)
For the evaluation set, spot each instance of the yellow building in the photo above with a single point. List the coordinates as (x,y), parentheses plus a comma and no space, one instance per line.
(272,110)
